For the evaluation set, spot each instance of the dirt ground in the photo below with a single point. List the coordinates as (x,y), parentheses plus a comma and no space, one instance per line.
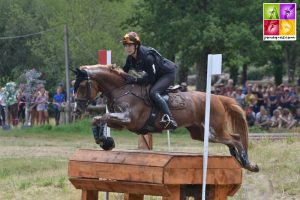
(35,167)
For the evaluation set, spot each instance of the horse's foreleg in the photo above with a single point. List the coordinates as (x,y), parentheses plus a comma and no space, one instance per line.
(121,119)
(99,129)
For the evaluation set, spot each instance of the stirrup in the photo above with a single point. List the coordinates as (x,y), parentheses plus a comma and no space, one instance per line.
(168,122)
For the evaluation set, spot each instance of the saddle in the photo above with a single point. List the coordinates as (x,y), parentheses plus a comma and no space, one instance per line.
(174,99)
(172,96)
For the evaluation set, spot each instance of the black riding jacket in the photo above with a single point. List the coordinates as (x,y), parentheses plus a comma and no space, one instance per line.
(151,62)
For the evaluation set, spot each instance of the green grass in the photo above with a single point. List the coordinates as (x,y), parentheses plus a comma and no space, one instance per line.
(33,162)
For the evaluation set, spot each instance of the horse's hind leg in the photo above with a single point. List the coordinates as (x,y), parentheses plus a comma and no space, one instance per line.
(234,152)
(237,150)
(235,146)
(238,156)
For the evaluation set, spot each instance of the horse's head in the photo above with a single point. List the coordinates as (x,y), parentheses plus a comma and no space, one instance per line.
(85,90)
(92,79)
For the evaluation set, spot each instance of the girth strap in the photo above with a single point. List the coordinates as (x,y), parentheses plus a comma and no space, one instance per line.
(149,125)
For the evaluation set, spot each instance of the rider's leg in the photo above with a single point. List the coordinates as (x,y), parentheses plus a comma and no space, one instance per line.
(155,93)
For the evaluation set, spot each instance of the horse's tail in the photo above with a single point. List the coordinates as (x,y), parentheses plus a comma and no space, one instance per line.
(237,118)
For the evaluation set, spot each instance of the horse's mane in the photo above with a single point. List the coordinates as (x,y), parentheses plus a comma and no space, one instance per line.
(111,67)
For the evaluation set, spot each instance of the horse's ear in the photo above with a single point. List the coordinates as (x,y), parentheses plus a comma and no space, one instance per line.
(72,70)
(78,71)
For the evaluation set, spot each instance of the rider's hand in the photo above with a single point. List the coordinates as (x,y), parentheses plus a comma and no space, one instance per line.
(130,80)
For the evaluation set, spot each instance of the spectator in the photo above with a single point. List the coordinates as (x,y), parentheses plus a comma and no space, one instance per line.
(296,121)
(272,100)
(286,99)
(33,113)
(2,111)
(229,88)
(58,99)
(42,105)
(72,93)
(60,84)
(21,102)
(239,96)
(11,103)
(250,116)
(275,119)
(286,118)
(250,98)
(259,96)
(265,92)
(295,103)
(262,118)
(247,87)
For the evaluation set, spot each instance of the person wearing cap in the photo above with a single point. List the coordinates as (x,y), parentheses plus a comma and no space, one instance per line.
(160,73)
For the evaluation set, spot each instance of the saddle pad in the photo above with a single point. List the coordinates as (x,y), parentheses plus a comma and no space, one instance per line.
(176,101)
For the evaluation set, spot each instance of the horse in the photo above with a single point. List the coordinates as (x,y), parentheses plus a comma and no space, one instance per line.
(130,109)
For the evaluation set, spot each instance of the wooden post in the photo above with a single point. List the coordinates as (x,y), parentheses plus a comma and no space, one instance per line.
(145,142)
(133,197)
(174,193)
(217,192)
(89,195)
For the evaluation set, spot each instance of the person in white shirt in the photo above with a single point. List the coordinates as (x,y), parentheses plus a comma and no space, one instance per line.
(2,111)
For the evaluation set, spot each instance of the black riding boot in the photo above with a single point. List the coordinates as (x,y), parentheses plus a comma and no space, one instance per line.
(167,120)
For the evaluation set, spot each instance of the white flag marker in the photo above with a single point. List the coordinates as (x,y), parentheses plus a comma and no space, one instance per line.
(214,66)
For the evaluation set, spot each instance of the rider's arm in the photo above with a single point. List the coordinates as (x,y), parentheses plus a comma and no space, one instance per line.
(150,68)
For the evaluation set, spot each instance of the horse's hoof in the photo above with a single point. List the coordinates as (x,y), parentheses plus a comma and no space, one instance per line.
(107,144)
(253,168)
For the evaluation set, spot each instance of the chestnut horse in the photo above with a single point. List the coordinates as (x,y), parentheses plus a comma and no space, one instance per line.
(128,110)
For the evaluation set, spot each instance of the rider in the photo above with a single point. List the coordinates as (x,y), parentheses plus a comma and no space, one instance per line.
(160,73)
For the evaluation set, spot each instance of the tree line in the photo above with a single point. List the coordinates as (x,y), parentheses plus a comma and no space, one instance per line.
(184,31)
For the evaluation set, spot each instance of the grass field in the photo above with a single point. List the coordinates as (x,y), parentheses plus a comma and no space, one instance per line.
(33,162)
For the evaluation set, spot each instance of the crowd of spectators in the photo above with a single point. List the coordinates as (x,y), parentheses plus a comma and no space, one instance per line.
(266,105)
(13,105)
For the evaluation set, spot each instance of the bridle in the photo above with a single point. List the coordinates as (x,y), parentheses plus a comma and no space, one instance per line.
(87,99)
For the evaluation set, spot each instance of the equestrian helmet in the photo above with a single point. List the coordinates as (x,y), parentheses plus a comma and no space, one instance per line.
(131,38)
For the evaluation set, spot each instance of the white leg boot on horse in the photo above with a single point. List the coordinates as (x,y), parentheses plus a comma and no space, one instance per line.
(101,138)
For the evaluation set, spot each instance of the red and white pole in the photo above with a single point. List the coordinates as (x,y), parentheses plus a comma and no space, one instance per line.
(104,57)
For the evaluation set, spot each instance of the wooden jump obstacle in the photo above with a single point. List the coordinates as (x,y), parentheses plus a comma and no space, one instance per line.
(174,176)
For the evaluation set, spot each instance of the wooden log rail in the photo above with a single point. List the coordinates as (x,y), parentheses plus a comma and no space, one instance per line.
(174,176)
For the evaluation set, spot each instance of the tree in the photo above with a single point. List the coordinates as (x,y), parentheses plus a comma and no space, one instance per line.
(197,28)
(93,25)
